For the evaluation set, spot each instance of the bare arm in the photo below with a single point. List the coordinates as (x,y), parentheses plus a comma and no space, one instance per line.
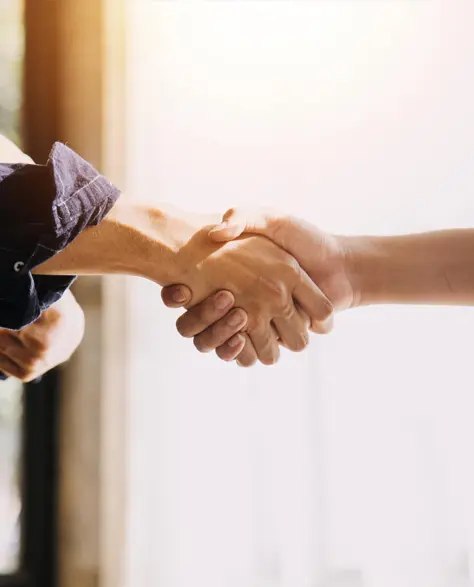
(169,246)
(429,268)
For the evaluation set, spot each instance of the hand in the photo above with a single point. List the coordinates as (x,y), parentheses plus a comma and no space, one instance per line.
(51,340)
(325,257)
(215,320)
(169,246)
(322,255)
(216,325)
(268,283)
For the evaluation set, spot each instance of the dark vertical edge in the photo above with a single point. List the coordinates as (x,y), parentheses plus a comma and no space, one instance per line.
(40,481)
(40,129)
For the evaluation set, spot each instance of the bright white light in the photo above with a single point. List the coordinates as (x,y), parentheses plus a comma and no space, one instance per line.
(357,114)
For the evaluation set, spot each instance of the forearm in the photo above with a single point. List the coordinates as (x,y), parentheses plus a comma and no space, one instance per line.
(429,268)
(131,240)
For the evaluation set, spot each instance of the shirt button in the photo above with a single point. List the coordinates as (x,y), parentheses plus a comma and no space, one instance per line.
(18,266)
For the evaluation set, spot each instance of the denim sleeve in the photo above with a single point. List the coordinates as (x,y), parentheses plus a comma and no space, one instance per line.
(43,208)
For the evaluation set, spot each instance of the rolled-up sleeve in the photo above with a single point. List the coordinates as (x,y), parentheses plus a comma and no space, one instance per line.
(43,208)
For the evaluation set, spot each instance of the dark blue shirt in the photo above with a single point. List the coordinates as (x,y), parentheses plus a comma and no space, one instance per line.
(42,209)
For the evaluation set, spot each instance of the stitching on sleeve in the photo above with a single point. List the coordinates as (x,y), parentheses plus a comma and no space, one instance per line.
(64,200)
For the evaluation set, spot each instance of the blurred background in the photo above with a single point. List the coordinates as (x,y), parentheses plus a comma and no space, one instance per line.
(11,393)
(144,463)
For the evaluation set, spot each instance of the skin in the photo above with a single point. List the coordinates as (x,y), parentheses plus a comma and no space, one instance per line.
(51,340)
(429,268)
(167,245)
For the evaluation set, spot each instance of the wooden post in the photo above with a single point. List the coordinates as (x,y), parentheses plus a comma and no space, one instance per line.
(74,92)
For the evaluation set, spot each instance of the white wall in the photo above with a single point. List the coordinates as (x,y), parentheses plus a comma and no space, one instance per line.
(348,465)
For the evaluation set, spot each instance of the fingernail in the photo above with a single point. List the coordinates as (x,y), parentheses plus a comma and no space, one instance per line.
(223,301)
(235,319)
(178,296)
(234,341)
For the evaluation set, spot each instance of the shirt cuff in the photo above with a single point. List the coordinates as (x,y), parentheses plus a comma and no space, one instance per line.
(43,208)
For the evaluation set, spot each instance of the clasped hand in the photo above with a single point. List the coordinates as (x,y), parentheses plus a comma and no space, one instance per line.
(49,341)
(261,297)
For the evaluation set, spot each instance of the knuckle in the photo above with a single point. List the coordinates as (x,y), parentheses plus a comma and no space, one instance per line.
(37,345)
(42,347)
(197,319)
(254,323)
(293,265)
(211,313)
(277,294)
(24,375)
(304,316)
(30,362)
(288,274)
(219,334)
(233,322)
(327,309)
(267,347)
(288,310)
(207,312)
(51,316)
(213,337)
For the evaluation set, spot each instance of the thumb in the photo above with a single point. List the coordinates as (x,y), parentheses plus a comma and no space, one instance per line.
(176,296)
(236,221)
(232,226)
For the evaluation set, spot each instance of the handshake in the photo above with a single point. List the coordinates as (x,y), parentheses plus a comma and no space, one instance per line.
(251,281)
(271,291)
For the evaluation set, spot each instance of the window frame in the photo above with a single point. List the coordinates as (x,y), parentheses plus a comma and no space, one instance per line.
(74,81)
(39,485)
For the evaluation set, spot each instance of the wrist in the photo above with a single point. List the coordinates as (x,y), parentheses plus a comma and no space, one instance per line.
(326,258)
(386,270)
(132,239)
(145,244)
(359,254)
(162,243)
